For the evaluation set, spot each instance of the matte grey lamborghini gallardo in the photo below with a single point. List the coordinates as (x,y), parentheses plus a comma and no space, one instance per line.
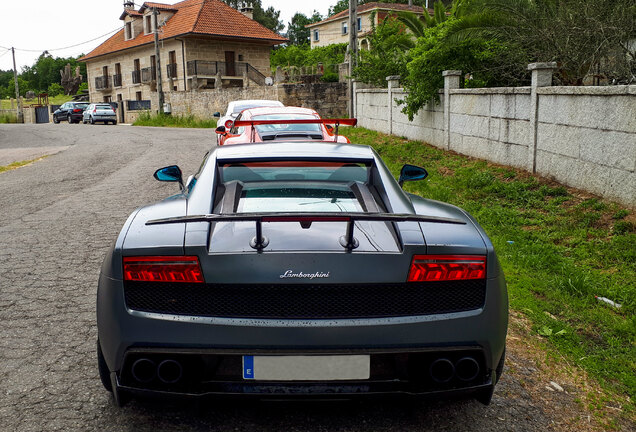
(300,269)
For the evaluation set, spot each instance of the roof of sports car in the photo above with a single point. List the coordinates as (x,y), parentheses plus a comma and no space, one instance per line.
(294,149)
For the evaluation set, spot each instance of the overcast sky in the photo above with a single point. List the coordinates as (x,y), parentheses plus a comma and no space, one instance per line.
(40,25)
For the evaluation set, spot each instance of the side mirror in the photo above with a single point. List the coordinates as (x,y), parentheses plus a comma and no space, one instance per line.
(411,173)
(216,114)
(170,173)
(220,130)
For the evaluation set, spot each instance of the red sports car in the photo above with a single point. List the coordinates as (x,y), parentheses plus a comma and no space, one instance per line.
(281,123)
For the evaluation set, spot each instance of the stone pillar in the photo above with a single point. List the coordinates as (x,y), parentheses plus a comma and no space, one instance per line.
(451,81)
(394,82)
(218,83)
(246,80)
(541,77)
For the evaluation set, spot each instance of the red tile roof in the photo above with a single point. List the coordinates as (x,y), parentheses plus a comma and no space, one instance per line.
(369,6)
(194,17)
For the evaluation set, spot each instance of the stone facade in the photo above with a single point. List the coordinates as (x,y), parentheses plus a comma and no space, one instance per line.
(584,137)
(328,99)
(183,51)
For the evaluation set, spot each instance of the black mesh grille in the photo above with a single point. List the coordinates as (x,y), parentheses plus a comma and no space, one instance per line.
(306,301)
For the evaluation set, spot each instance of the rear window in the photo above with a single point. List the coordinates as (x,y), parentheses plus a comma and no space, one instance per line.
(104,106)
(81,105)
(296,186)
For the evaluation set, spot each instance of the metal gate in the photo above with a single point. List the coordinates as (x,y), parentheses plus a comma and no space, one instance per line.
(42,114)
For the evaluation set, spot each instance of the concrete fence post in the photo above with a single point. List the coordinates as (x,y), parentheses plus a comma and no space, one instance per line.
(394,82)
(541,77)
(451,81)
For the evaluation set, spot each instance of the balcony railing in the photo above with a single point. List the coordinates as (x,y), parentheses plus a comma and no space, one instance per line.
(103,82)
(148,74)
(172,70)
(136,76)
(211,68)
(117,80)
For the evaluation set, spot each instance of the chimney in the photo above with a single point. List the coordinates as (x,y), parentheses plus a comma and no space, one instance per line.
(129,5)
(248,11)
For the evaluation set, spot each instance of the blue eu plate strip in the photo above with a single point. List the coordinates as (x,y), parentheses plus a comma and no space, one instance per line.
(248,367)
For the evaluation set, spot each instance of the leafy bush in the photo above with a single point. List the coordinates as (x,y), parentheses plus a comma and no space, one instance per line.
(330,77)
(304,55)
(55,89)
(485,63)
(388,53)
(82,88)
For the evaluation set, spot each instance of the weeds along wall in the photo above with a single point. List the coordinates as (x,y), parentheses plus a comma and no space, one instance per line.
(583,137)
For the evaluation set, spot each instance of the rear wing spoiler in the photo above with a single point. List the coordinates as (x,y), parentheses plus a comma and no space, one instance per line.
(347,241)
(337,122)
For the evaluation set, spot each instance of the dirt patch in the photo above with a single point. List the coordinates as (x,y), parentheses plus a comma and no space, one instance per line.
(573,400)
(10,155)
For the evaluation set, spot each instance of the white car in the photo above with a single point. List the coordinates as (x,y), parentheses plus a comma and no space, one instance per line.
(234,108)
(99,112)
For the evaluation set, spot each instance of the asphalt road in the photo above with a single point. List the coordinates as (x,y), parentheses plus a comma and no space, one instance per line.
(60,214)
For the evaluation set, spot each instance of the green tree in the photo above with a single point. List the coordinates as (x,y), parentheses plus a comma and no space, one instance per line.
(388,54)
(484,62)
(269,17)
(577,34)
(55,89)
(296,31)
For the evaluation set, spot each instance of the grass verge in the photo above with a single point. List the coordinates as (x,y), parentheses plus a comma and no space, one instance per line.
(55,100)
(15,165)
(559,248)
(163,120)
(8,118)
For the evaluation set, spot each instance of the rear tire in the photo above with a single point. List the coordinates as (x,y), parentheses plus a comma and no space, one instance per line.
(92,120)
(55,120)
(104,373)
(115,122)
(70,120)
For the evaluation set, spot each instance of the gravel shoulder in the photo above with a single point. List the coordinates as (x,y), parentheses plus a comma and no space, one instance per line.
(62,213)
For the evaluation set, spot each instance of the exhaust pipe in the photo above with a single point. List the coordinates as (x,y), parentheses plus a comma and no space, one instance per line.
(144,370)
(169,371)
(467,368)
(442,370)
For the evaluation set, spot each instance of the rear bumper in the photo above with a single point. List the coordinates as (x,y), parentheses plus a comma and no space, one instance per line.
(197,343)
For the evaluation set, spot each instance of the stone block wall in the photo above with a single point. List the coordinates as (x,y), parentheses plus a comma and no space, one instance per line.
(328,99)
(584,137)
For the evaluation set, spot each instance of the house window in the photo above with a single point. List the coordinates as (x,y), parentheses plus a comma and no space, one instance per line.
(345,27)
(359,24)
(148,24)
(138,95)
(240,57)
(316,36)
(129,33)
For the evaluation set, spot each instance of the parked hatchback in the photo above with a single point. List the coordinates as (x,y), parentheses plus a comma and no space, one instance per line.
(100,112)
(70,111)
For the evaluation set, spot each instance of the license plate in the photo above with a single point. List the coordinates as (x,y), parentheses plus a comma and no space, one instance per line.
(306,368)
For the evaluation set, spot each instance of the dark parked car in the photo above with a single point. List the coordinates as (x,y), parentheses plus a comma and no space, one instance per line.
(300,269)
(70,111)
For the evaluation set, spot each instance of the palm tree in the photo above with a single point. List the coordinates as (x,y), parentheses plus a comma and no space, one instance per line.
(418,24)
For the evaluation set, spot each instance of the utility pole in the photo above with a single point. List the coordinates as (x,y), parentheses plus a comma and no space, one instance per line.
(17,90)
(155,12)
(353,49)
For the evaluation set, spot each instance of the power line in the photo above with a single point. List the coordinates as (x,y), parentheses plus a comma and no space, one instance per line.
(70,46)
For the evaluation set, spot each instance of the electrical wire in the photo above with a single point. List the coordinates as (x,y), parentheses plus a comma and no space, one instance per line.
(70,46)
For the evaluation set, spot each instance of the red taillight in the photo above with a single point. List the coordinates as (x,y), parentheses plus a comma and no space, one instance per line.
(429,268)
(94,110)
(77,110)
(163,269)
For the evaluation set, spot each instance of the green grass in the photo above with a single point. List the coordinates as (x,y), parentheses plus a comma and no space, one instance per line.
(163,120)
(8,118)
(15,165)
(557,250)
